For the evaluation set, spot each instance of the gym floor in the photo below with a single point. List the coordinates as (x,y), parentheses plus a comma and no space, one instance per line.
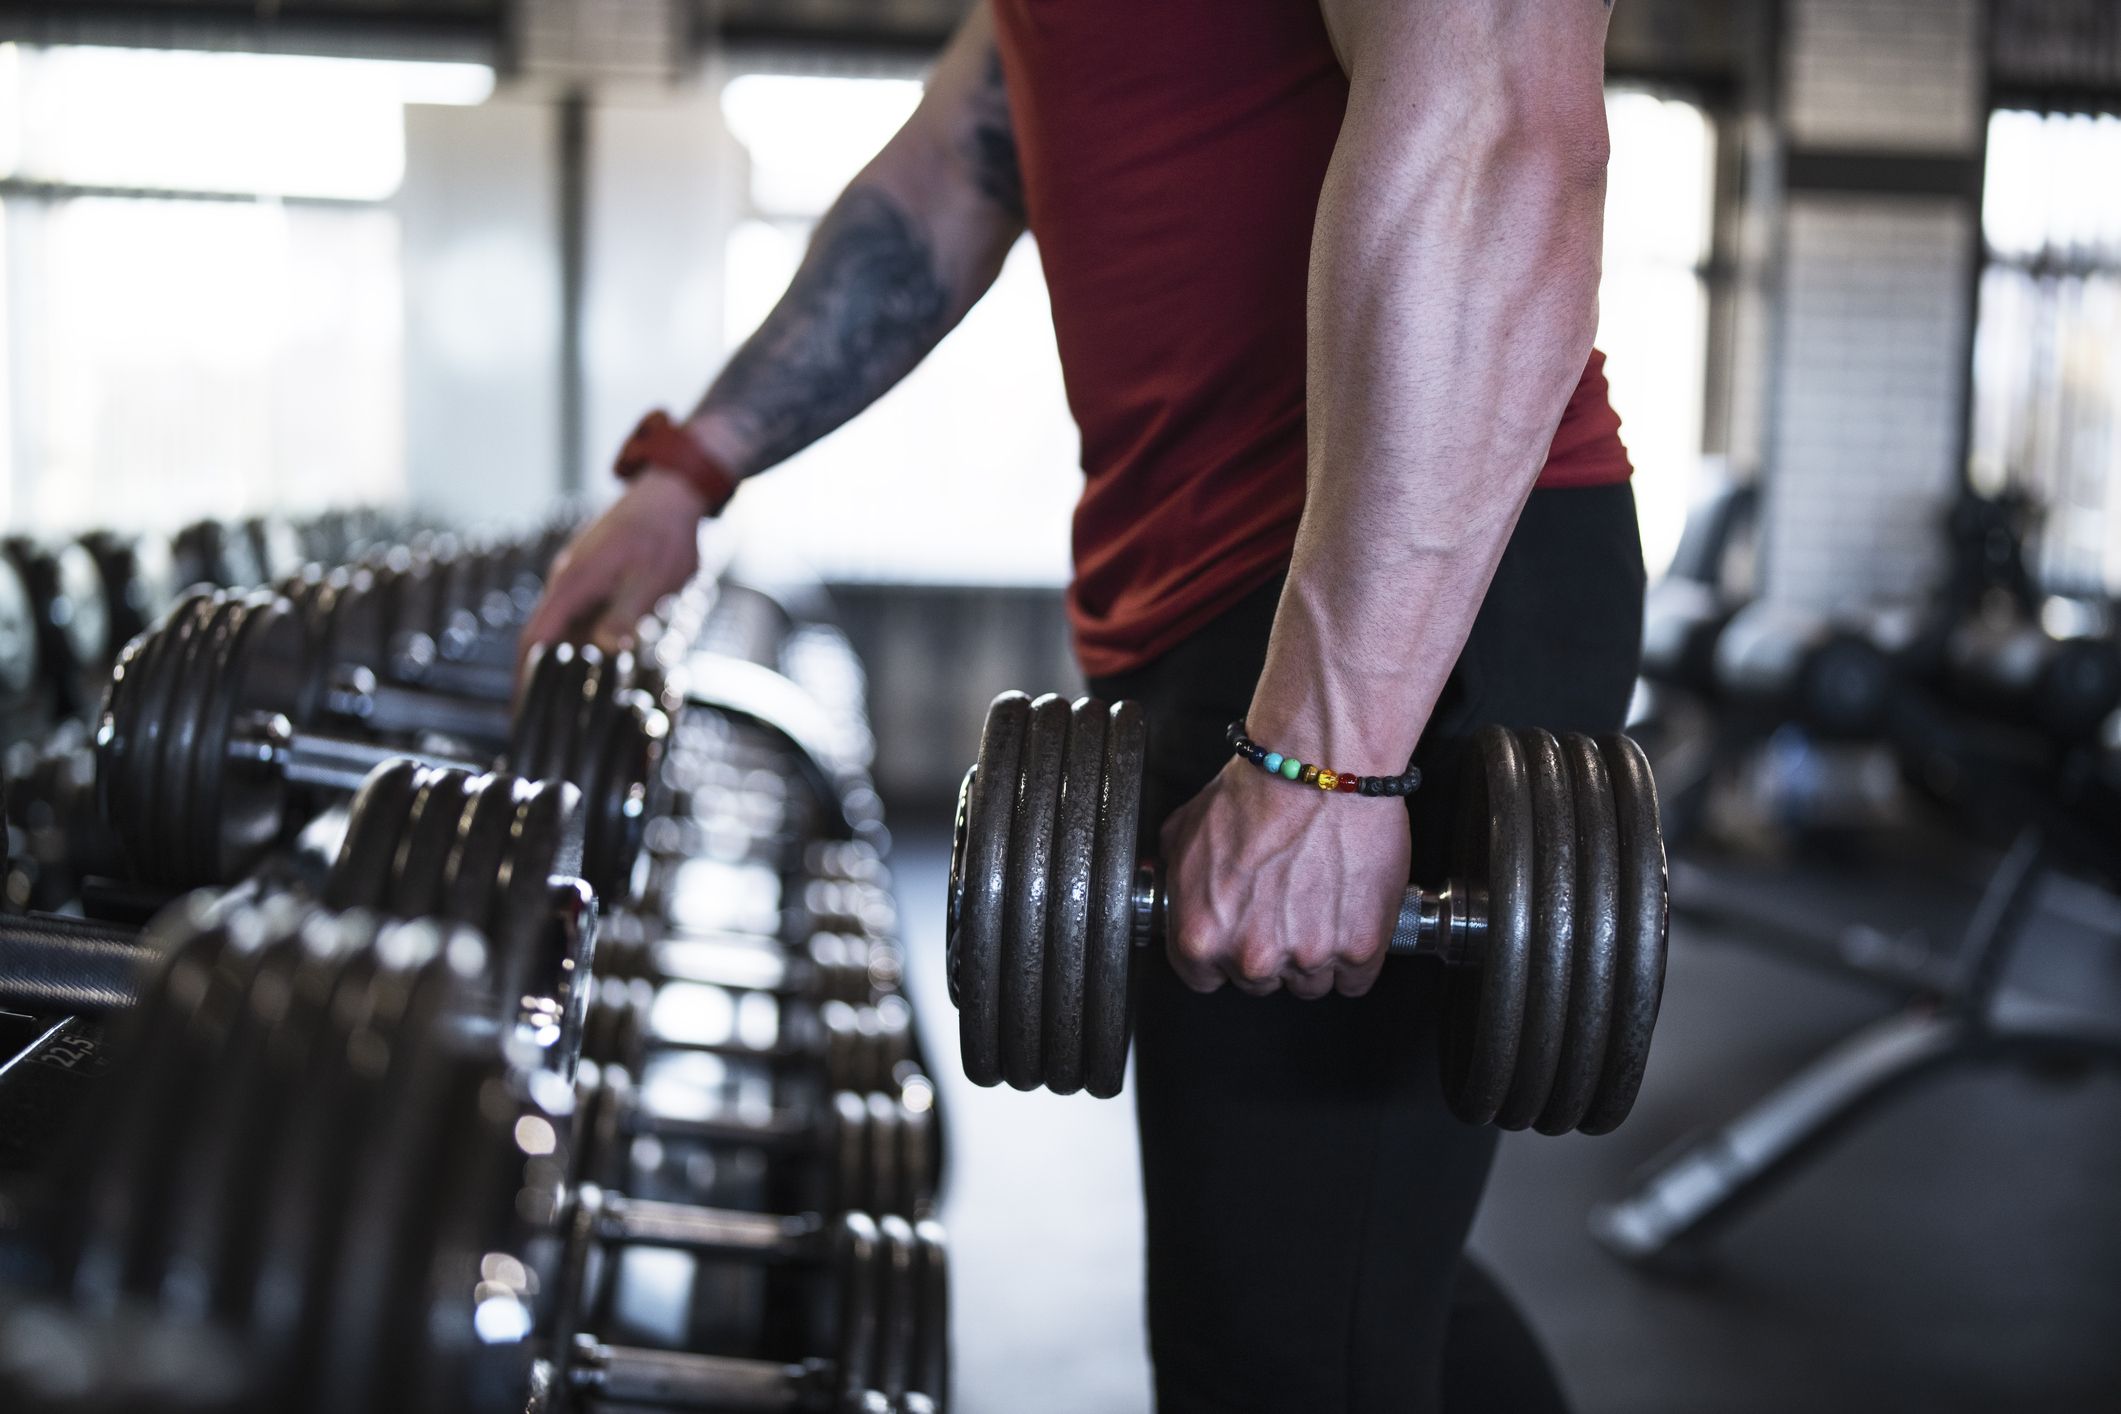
(1958,1251)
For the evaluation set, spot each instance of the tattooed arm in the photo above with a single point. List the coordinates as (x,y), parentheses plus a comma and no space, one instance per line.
(913,242)
(915,239)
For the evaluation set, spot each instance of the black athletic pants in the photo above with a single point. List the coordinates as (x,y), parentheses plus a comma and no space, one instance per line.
(1308,1192)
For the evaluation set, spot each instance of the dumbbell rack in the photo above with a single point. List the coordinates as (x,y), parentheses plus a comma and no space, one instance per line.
(743,721)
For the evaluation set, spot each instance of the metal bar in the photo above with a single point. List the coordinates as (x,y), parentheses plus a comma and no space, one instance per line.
(707,1231)
(1713,1177)
(679,1379)
(52,964)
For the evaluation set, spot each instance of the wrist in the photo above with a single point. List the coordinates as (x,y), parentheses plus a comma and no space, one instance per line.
(670,449)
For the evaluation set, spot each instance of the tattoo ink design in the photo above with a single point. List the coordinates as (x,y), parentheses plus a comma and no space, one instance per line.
(991,145)
(863,309)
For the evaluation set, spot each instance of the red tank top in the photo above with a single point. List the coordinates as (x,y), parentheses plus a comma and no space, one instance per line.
(1172,155)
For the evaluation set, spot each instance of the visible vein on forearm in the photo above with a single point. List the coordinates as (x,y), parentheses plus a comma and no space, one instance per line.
(867,303)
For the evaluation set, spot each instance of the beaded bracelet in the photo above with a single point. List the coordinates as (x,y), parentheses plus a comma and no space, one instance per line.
(1289,768)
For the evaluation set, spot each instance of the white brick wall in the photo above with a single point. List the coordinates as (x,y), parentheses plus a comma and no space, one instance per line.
(1899,74)
(1866,421)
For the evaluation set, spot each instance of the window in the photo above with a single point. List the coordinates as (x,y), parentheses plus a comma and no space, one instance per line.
(2047,350)
(202,282)
(1653,304)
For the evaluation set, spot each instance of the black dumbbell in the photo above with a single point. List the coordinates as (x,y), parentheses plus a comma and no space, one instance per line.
(202,752)
(827,966)
(139,579)
(492,853)
(873,1140)
(1550,928)
(72,619)
(315,1150)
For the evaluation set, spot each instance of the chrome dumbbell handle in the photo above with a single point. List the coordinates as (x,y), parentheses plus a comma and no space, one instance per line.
(321,762)
(1446,923)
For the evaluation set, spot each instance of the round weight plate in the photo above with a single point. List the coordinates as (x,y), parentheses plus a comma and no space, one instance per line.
(117,746)
(183,836)
(1596,933)
(306,1200)
(224,1149)
(534,707)
(897,1306)
(563,719)
(931,1365)
(266,670)
(138,788)
(87,629)
(1552,950)
(848,1152)
(1025,896)
(887,1140)
(616,797)
(186,948)
(19,664)
(603,686)
(360,875)
(1491,852)
(475,858)
(522,937)
(359,633)
(436,818)
(385,1241)
(1638,984)
(916,1152)
(1107,1000)
(192,1083)
(854,1284)
(1068,895)
(296,1027)
(979,881)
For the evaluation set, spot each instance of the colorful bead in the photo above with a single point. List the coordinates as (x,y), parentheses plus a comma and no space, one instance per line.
(1328,780)
(1291,768)
(1273,761)
(1349,785)
(1310,775)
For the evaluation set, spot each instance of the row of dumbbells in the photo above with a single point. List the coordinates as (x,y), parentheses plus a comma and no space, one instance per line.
(68,604)
(847,1105)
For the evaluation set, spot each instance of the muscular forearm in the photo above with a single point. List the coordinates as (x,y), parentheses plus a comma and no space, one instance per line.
(911,244)
(1453,301)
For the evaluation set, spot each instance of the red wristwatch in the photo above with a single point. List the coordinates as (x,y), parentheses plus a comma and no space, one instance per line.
(659,442)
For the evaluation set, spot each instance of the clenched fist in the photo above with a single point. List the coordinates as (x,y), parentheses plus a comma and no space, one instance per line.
(1275,885)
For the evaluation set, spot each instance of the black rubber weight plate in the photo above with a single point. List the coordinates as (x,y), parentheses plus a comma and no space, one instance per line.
(1108,1004)
(1492,851)
(1597,933)
(931,1366)
(141,787)
(1023,969)
(983,883)
(1553,929)
(1068,895)
(268,672)
(1639,977)
(360,875)
(854,1260)
(181,834)
(897,1306)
